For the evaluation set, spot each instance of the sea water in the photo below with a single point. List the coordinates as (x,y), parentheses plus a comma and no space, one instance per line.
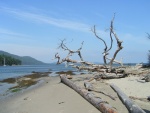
(17,71)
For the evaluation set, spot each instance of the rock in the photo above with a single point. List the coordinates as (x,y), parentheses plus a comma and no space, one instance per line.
(148,98)
(147,78)
(88,86)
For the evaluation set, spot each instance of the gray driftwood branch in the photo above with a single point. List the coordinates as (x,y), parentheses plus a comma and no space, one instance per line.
(100,104)
(131,106)
(119,43)
(106,49)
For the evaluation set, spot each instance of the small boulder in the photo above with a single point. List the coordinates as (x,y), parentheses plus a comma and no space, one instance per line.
(148,98)
(147,78)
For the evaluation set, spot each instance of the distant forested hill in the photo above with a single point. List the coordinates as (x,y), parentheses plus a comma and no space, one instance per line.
(25,60)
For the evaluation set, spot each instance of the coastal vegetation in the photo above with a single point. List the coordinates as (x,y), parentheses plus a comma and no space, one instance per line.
(148,57)
(148,35)
(22,60)
(8,60)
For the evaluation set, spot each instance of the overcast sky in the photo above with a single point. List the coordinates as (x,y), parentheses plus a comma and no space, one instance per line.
(35,27)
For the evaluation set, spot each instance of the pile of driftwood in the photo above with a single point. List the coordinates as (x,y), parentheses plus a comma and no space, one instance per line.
(105,71)
(98,102)
(107,67)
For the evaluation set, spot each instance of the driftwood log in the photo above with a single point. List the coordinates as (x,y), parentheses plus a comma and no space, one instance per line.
(109,76)
(131,106)
(100,104)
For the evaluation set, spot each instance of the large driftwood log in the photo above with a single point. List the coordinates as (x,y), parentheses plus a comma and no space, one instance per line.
(131,106)
(110,76)
(97,102)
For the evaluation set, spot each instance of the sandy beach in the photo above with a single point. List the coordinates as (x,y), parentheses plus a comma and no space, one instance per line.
(55,97)
(51,97)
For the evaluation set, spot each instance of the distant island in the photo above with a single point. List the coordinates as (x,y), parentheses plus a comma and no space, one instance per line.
(11,59)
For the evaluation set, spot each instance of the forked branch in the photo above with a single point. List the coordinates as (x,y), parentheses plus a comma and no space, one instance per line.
(119,43)
(70,53)
(106,49)
(105,53)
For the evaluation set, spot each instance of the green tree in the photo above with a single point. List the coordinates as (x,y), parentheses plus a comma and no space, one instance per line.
(149,58)
(9,60)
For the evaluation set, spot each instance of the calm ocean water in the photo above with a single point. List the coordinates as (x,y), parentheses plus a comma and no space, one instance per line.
(14,71)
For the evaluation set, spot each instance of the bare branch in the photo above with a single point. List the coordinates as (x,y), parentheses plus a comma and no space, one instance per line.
(71,52)
(148,35)
(105,53)
(119,43)
(58,58)
(94,31)
(90,66)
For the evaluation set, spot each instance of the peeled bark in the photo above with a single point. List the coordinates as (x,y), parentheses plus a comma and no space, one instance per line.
(131,106)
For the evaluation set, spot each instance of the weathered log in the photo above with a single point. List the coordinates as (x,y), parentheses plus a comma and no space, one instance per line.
(114,77)
(110,76)
(131,106)
(90,87)
(100,104)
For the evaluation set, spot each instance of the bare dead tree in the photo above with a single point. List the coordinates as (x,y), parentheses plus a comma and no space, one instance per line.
(87,65)
(106,49)
(84,65)
(70,53)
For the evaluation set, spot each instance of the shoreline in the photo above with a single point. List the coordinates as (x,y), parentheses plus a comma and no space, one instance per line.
(50,97)
(12,85)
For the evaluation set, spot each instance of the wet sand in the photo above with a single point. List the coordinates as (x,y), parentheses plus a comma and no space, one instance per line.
(51,97)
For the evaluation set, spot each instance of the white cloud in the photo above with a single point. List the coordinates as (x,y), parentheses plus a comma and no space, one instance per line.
(40,18)
(11,35)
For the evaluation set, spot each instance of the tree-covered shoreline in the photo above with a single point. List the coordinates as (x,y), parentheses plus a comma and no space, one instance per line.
(8,60)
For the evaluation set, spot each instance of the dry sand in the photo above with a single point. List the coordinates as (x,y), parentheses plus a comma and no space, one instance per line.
(55,97)
(52,97)
(133,86)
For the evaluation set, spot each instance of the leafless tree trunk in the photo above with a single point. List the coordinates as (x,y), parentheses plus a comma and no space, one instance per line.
(106,49)
(90,66)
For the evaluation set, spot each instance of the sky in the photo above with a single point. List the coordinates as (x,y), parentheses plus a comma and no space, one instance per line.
(36,27)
